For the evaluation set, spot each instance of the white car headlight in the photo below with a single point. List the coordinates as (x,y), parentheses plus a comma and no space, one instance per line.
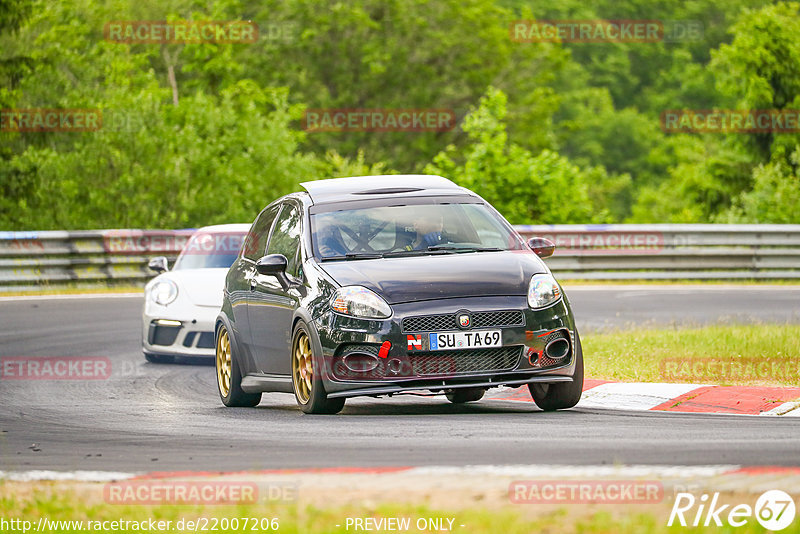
(164,292)
(358,301)
(543,291)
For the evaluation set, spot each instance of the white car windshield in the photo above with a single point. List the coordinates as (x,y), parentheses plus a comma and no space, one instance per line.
(210,250)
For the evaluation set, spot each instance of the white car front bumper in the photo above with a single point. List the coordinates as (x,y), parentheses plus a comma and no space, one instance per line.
(179,332)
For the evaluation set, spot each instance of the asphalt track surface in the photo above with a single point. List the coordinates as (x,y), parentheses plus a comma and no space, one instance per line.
(149,417)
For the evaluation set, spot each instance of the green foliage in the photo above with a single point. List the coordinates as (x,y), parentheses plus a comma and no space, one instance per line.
(727,177)
(774,198)
(219,159)
(567,132)
(399,54)
(761,70)
(545,188)
(701,181)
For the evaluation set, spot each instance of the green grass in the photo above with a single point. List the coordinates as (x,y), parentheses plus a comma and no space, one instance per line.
(41,500)
(653,355)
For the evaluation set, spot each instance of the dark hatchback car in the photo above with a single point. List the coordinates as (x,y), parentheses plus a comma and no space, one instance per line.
(384,285)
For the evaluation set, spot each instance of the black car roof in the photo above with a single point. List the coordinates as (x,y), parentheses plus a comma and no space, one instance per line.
(366,187)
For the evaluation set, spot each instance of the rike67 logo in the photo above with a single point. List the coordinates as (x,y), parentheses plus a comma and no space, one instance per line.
(774,510)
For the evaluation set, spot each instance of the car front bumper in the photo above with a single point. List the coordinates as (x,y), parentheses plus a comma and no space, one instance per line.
(190,333)
(355,364)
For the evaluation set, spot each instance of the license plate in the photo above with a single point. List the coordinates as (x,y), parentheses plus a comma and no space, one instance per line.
(477,339)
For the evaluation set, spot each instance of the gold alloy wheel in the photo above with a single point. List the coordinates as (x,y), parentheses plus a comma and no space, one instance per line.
(224,362)
(303,368)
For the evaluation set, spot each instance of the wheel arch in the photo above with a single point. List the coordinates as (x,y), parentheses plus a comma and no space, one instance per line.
(303,315)
(224,320)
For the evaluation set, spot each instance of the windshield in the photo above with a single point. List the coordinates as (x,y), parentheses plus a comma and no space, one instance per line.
(210,250)
(408,230)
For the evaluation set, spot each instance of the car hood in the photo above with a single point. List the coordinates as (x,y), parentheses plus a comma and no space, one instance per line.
(202,287)
(473,274)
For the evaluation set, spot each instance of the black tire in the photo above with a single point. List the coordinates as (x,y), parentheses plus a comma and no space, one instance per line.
(315,401)
(561,395)
(158,358)
(235,396)
(460,396)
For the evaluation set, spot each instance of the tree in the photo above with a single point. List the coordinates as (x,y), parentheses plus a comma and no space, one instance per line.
(774,198)
(527,189)
(761,70)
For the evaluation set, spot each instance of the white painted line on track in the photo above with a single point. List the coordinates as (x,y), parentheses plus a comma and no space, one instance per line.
(787,409)
(633,396)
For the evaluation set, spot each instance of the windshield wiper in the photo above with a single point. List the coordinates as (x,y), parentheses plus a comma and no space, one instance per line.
(434,249)
(354,256)
(400,253)
(453,248)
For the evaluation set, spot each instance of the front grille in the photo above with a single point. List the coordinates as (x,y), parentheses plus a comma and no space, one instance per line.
(206,340)
(448,321)
(498,318)
(163,335)
(188,341)
(455,362)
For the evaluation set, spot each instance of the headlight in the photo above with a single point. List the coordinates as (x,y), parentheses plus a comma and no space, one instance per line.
(359,301)
(164,292)
(543,291)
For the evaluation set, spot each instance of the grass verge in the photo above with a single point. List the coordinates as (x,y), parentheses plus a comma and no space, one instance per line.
(41,501)
(719,354)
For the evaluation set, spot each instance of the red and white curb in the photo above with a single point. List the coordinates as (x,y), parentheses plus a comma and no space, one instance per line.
(684,398)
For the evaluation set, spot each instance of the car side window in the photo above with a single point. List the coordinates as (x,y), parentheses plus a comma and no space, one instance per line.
(256,242)
(285,238)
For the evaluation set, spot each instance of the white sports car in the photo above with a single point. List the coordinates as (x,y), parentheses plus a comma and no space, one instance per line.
(181,305)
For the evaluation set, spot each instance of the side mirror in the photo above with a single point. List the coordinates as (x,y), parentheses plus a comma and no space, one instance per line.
(543,247)
(274,265)
(158,264)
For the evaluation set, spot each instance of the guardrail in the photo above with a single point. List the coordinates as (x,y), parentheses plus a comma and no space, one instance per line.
(90,258)
(672,251)
(31,260)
